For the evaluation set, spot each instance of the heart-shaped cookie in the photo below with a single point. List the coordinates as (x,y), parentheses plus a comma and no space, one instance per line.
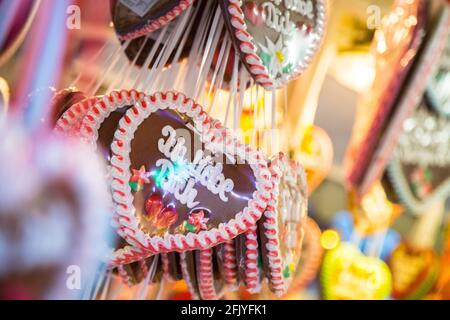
(347,274)
(395,57)
(134,273)
(420,167)
(311,257)
(414,272)
(227,264)
(204,214)
(281,227)
(275,39)
(248,257)
(133,19)
(209,282)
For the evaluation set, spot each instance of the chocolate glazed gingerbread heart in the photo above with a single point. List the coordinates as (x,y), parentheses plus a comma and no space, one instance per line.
(164,200)
(275,39)
(132,20)
(281,227)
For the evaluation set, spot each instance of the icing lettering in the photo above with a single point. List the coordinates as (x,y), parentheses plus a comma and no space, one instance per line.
(280,21)
(179,176)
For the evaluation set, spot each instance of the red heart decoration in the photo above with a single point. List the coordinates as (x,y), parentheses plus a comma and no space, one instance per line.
(166,218)
(254,13)
(153,206)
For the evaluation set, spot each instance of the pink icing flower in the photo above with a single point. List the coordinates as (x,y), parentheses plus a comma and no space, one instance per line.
(198,220)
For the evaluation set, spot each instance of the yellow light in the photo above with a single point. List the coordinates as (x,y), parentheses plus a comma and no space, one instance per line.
(330,239)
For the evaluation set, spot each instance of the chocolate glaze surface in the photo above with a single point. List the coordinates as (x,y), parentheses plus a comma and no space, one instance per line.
(145,152)
(126,20)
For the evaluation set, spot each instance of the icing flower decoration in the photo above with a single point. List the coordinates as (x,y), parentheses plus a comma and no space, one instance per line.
(139,179)
(274,57)
(160,216)
(197,221)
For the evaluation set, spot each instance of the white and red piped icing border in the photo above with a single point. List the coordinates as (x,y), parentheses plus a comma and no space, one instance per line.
(252,272)
(70,121)
(215,138)
(154,25)
(230,265)
(100,110)
(248,48)
(278,167)
(187,277)
(205,275)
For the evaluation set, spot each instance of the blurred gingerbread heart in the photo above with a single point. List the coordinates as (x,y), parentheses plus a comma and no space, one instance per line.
(133,19)
(414,271)
(347,274)
(281,227)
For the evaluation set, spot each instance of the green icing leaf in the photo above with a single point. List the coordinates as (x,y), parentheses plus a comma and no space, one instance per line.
(287,68)
(266,58)
(135,186)
(428,175)
(189,227)
(286,272)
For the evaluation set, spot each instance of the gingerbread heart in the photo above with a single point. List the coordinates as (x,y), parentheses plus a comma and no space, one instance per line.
(311,257)
(281,227)
(275,39)
(420,166)
(347,274)
(227,264)
(414,272)
(248,257)
(395,57)
(133,19)
(200,193)
(134,273)
(209,282)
